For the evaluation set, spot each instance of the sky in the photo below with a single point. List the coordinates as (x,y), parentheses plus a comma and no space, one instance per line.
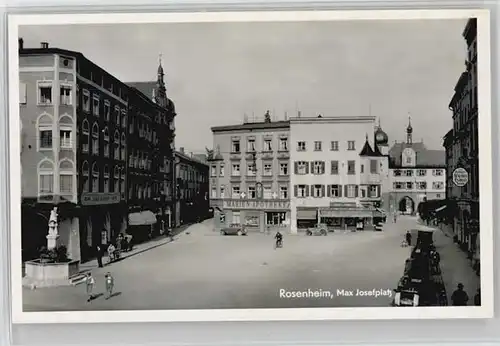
(216,73)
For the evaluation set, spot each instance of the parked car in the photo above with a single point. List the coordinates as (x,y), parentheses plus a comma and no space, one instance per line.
(234,229)
(319,229)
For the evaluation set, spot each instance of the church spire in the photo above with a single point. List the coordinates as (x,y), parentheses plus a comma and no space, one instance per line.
(409,131)
(160,80)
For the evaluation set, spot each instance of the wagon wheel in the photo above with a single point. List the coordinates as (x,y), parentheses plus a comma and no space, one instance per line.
(240,232)
(324,232)
(222,233)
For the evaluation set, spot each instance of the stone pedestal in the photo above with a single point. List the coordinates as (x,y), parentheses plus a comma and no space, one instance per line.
(52,241)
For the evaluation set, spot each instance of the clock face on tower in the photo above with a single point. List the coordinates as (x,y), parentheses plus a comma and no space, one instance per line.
(408,152)
(380,137)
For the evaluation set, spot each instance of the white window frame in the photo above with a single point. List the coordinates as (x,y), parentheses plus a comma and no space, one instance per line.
(85,174)
(235,144)
(95,139)
(301,191)
(107,110)
(318,167)
(301,146)
(70,175)
(235,191)
(252,192)
(222,170)
(267,169)
(351,191)
(373,191)
(222,191)
(86,106)
(283,192)
(268,144)
(39,86)
(124,119)
(283,144)
(317,191)
(334,146)
(409,185)
(96,111)
(251,145)
(421,172)
(284,168)
(68,142)
(117,115)
(213,171)
(95,177)
(106,178)
(302,167)
(335,191)
(23,93)
(48,128)
(351,145)
(318,146)
(213,193)
(251,170)
(235,170)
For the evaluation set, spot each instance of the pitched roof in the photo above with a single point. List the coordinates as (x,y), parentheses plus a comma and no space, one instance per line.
(424,156)
(367,150)
(144,87)
(253,126)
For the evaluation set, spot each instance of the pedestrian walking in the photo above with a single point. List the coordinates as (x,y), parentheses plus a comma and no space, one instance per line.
(459,296)
(99,255)
(477,298)
(90,282)
(110,282)
(408,238)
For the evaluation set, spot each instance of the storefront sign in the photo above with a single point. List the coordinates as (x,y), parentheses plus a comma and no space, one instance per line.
(100,198)
(256,204)
(460,177)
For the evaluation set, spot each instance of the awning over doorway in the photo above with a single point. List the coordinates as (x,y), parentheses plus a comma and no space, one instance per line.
(142,218)
(306,214)
(347,210)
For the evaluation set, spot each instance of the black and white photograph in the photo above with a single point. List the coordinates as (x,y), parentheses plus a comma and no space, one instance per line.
(257,167)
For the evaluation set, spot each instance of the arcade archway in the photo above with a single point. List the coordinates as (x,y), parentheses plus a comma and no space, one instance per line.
(406,206)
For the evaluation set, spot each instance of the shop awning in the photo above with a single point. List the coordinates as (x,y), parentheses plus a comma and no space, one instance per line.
(379,213)
(142,218)
(306,214)
(346,213)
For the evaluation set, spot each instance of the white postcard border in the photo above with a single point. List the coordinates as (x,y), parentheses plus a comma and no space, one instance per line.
(362,313)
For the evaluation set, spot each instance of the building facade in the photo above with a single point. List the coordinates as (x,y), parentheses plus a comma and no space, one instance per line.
(416,174)
(192,199)
(337,172)
(250,175)
(71,113)
(462,147)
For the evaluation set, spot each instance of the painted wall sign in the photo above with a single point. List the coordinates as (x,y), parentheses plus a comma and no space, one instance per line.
(100,198)
(256,204)
(460,177)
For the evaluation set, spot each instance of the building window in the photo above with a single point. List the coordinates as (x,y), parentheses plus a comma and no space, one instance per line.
(122,187)
(301,167)
(437,172)
(85,137)
(334,169)
(398,185)
(235,191)
(267,192)
(334,145)
(283,192)
(45,93)
(123,147)
(116,146)
(318,167)
(437,185)
(251,144)
(106,178)
(86,100)
(95,105)
(95,139)
(106,142)
(235,171)
(397,173)
(213,193)
(317,146)
(351,167)
(351,191)
(301,146)
(283,144)
(351,145)
(373,166)
(335,190)
(46,179)
(66,95)
(408,173)
(124,119)
(301,191)
(221,170)
(409,185)
(107,110)
(276,218)
(251,192)
(45,139)
(236,217)
(131,126)
(373,192)
(318,191)
(22,93)
(117,115)
(283,168)
(235,146)
(438,195)
(222,191)
(95,177)
(268,145)
(251,169)
(362,168)
(65,140)
(421,172)
(422,185)
(116,180)
(85,174)
(408,160)
(268,169)
(213,171)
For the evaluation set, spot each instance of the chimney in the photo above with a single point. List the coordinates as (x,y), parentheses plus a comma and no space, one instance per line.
(181,149)
(21,43)
(44,45)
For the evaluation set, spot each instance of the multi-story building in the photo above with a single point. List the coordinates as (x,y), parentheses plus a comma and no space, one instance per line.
(337,172)
(250,175)
(461,144)
(71,112)
(416,174)
(192,200)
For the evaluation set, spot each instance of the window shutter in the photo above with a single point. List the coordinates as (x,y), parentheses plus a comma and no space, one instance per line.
(306,190)
(296,190)
(356,194)
(307,167)
(340,190)
(323,167)
(345,191)
(296,167)
(378,190)
(312,168)
(322,190)
(329,190)
(312,191)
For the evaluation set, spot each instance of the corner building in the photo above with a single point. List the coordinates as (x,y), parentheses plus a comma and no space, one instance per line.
(337,172)
(250,175)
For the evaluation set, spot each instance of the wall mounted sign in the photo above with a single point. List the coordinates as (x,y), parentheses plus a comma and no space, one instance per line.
(460,177)
(100,198)
(256,204)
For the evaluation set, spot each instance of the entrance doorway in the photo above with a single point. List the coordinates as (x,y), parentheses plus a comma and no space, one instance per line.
(407,206)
